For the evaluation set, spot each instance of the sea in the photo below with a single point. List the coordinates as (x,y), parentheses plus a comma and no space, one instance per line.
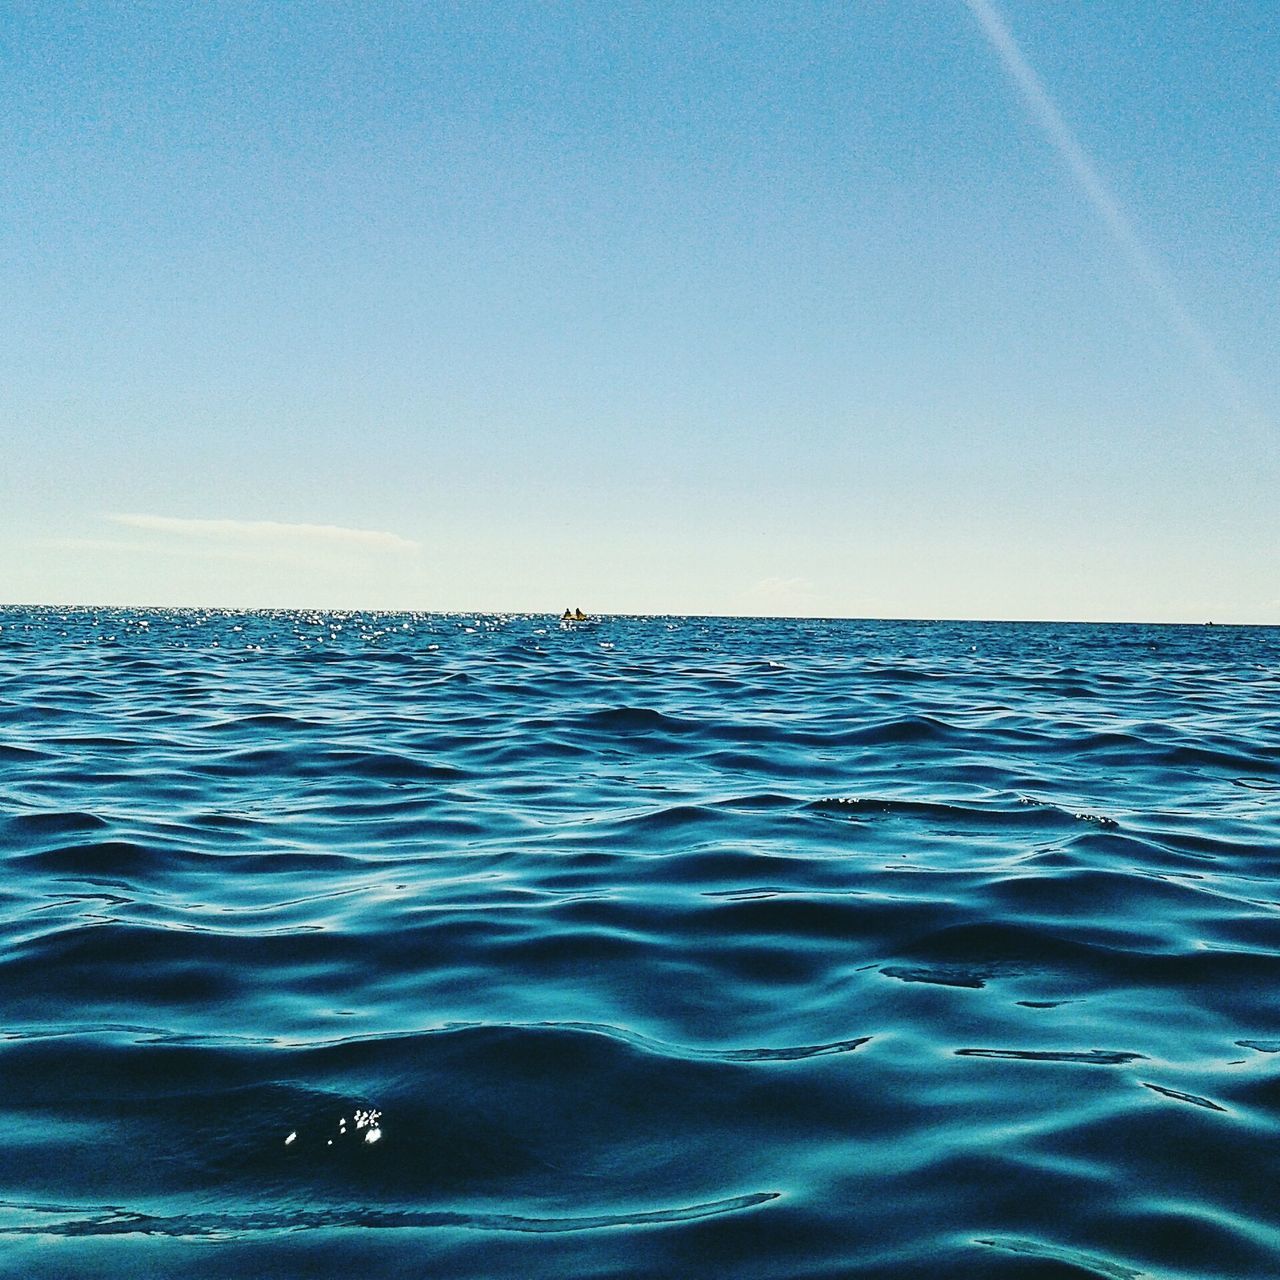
(426,945)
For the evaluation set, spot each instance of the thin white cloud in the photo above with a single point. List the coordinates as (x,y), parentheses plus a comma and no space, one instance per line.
(1080,165)
(266,532)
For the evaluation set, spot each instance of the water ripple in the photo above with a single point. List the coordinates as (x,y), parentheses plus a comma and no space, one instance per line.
(686,946)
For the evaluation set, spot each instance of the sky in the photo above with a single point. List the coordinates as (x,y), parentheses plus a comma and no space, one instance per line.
(880,308)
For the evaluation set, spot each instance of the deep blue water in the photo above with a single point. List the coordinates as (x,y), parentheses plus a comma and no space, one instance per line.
(658,947)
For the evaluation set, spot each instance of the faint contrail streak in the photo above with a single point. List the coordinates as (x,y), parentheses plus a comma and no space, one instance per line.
(1091,182)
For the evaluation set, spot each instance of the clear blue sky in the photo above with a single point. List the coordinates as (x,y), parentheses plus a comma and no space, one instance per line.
(871,309)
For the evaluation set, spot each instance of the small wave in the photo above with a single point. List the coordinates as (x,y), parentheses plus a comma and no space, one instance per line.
(1099,819)
(670,817)
(1178,1096)
(250,723)
(1234,759)
(1085,1057)
(786,1053)
(118,1222)
(385,765)
(118,859)
(942,975)
(902,731)
(1072,1258)
(1022,813)
(1086,894)
(633,720)
(57,822)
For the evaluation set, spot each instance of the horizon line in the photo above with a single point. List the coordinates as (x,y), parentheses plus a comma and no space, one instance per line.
(601,616)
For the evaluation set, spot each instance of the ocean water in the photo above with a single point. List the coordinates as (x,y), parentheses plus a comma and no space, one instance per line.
(413,945)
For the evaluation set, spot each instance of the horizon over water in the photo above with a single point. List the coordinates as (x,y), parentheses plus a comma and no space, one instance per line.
(475,945)
(596,618)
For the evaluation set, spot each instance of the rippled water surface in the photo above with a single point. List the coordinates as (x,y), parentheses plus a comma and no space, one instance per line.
(477,946)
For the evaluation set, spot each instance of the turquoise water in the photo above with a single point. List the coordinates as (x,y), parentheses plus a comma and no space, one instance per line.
(654,947)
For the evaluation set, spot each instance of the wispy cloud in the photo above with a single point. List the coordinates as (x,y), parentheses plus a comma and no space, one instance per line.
(266,532)
(1085,172)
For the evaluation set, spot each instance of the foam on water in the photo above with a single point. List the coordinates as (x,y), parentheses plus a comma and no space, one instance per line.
(656,947)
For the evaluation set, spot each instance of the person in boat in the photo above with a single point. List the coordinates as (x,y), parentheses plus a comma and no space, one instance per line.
(566,616)
(579,616)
